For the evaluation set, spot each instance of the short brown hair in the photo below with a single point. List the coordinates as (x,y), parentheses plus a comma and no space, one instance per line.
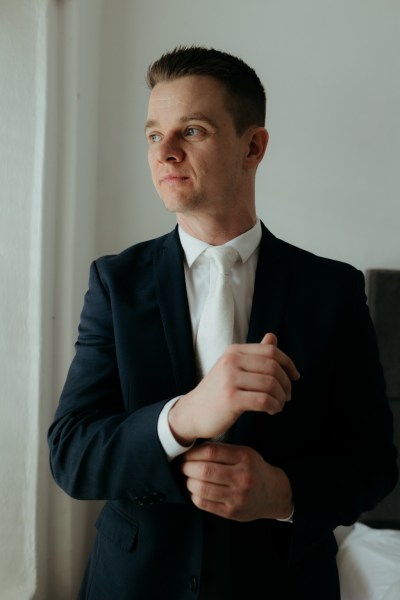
(245,92)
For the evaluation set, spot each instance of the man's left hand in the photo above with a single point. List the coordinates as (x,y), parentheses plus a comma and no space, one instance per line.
(235,482)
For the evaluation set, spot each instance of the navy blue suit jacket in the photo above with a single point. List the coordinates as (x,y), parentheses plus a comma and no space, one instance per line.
(135,352)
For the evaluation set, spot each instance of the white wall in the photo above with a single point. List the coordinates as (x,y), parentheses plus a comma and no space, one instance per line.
(74,184)
(48,160)
(22,106)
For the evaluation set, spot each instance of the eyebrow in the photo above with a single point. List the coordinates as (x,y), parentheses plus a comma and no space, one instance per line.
(185,119)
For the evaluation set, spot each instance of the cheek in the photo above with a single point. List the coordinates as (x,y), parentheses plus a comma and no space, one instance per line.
(209,165)
(152,166)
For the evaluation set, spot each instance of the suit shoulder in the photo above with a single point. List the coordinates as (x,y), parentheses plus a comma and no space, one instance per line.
(139,254)
(308,259)
(318,273)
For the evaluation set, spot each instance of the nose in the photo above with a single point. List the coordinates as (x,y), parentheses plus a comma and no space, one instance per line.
(169,149)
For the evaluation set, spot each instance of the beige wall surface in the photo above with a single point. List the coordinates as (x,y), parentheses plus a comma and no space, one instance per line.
(74,184)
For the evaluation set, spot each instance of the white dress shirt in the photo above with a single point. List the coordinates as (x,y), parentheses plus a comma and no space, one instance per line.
(199,276)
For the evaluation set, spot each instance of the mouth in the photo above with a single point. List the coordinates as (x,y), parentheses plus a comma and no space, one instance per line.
(173,179)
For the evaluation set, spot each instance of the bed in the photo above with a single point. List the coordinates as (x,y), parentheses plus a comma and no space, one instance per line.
(369,552)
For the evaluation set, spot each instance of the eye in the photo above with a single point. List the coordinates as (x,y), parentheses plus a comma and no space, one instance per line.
(193,132)
(153,138)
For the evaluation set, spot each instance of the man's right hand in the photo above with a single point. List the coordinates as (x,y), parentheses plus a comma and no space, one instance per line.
(247,377)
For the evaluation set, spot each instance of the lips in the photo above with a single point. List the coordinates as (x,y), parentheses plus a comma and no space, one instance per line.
(173,178)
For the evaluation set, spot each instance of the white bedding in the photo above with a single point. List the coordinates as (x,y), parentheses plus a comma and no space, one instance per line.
(369,563)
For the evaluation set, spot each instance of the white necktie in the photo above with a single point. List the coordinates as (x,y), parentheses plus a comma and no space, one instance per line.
(215,331)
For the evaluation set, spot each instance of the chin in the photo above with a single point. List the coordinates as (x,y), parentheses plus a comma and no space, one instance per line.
(179,205)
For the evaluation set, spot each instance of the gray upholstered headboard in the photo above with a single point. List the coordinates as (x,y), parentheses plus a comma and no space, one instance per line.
(383,290)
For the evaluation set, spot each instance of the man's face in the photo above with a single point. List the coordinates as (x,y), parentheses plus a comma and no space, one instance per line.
(195,155)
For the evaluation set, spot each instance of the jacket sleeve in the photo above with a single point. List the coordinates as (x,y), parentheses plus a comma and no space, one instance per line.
(98,448)
(353,466)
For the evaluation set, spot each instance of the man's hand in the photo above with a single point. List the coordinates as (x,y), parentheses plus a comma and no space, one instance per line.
(236,483)
(247,377)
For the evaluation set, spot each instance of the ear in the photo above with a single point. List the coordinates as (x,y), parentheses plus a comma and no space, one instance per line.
(257,141)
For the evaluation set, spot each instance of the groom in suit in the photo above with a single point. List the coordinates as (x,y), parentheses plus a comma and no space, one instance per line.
(299,390)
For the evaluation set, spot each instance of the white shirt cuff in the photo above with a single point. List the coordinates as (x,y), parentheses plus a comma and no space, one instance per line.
(171,447)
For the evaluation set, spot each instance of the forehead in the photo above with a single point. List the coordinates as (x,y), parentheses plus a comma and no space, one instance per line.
(193,93)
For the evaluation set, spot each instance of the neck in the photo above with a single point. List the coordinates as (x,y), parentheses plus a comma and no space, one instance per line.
(216,231)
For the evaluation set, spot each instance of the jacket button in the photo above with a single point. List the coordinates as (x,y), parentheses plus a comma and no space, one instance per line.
(194,583)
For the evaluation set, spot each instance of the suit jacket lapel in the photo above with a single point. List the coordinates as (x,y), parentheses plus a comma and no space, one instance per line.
(174,309)
(270,289)
(270,296)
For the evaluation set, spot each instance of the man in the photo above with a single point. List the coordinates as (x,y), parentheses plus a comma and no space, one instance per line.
(299,395)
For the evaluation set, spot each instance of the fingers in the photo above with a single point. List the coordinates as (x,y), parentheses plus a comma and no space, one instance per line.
(206,472)
(212,476)
(264,375)
(266,370)
(268,351)
(270,338)
(226,454)
(274,353)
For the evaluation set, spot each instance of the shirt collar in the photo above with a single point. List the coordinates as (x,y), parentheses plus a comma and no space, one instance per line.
(245,244)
